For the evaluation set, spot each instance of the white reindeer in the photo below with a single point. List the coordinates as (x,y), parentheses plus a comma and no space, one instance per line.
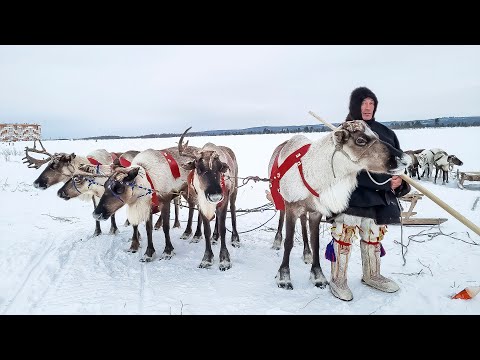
(146,187)
(321,180)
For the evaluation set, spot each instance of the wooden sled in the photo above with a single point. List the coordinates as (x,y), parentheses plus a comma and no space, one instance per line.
(407,216)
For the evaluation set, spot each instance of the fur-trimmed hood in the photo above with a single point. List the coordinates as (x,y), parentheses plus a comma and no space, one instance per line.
(356,98)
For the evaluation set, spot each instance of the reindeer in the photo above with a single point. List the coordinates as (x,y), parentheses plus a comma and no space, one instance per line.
(61,167)
(213,183)
(318,177)
(414,165)
(146,187)
(444,162)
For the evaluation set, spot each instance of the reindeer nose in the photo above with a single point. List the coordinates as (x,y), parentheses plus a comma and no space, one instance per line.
(61,193)
(215,198)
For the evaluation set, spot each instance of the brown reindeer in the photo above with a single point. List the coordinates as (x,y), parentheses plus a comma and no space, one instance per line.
(213,183)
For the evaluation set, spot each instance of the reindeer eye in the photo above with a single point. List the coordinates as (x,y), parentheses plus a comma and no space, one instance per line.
(77,178)
(361,141)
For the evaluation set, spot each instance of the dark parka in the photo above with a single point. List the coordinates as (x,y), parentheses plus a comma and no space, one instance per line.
(370,200)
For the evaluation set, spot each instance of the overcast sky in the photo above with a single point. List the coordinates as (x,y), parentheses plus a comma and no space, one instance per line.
(79,91)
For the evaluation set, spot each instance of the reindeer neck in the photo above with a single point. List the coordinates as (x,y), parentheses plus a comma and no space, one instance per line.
(317,164)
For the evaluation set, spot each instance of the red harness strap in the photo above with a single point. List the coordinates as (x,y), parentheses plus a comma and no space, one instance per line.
(155,201)
(173,164)
(124,162)
(93,161)
(278,172)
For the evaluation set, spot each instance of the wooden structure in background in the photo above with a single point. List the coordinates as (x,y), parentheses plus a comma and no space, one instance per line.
(20,132)
(408,216)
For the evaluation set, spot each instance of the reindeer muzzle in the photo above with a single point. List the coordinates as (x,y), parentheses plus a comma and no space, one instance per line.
(214,198)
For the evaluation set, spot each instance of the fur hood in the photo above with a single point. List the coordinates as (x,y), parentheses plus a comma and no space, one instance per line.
(356,98)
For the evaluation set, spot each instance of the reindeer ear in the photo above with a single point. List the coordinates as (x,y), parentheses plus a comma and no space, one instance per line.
(132,174)
(189,165)
(224,168)
(341,136)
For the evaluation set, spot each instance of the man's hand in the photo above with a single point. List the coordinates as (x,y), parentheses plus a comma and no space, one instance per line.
(396,182)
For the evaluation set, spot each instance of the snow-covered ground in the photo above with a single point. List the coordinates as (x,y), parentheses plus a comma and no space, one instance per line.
(51,264)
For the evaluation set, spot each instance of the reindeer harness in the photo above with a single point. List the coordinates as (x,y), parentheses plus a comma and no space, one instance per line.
(279,171)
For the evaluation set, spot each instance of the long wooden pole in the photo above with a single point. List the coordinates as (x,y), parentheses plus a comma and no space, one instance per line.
(423,190)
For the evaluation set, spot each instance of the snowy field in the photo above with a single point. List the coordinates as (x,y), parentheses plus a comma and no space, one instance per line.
(51,264)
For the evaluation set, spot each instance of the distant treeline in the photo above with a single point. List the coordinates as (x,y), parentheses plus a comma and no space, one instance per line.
(291,129)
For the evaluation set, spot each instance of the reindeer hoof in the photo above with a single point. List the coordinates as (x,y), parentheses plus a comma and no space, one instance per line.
(146,258)
(96,233)
(177,224)
(236,244)
(225,265)
(113,231)
(205,264)
(283,279)
(166,256)
(185,235)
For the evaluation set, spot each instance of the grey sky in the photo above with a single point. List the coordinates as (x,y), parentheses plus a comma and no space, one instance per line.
(78,91)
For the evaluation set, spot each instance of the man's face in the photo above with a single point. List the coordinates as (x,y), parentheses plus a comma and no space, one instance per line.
(368,105)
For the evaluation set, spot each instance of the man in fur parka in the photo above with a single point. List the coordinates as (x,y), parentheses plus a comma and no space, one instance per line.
(373,205)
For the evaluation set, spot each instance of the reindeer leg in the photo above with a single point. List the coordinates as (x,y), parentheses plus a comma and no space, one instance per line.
(198,231)
(135,240)
(307,253)
(277,243)
(215,232)
(235,240)
(158,224)
(127,223)
(113,227)
(176,202)
(168,251)
(207,260)
(316,273)
(188,230)
(283,274)
(98,229)
(150,249)
(224,257)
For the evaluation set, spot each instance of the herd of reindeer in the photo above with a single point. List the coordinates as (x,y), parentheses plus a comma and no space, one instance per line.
(314,178)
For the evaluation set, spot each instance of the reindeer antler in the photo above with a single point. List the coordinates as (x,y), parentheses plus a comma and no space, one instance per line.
(183,149)
(32,162)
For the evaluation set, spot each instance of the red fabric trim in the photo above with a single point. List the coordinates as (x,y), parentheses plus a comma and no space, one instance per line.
(173,164)
(93,161)
(155,201)
(343,243)
(124,162)
(278,172)
(371,243)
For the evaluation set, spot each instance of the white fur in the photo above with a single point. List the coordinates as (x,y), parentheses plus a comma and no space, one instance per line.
(153,162)
(101,155)
(206,207)
(334,193)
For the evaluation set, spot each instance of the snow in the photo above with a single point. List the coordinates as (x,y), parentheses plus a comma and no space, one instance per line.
(51,264)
